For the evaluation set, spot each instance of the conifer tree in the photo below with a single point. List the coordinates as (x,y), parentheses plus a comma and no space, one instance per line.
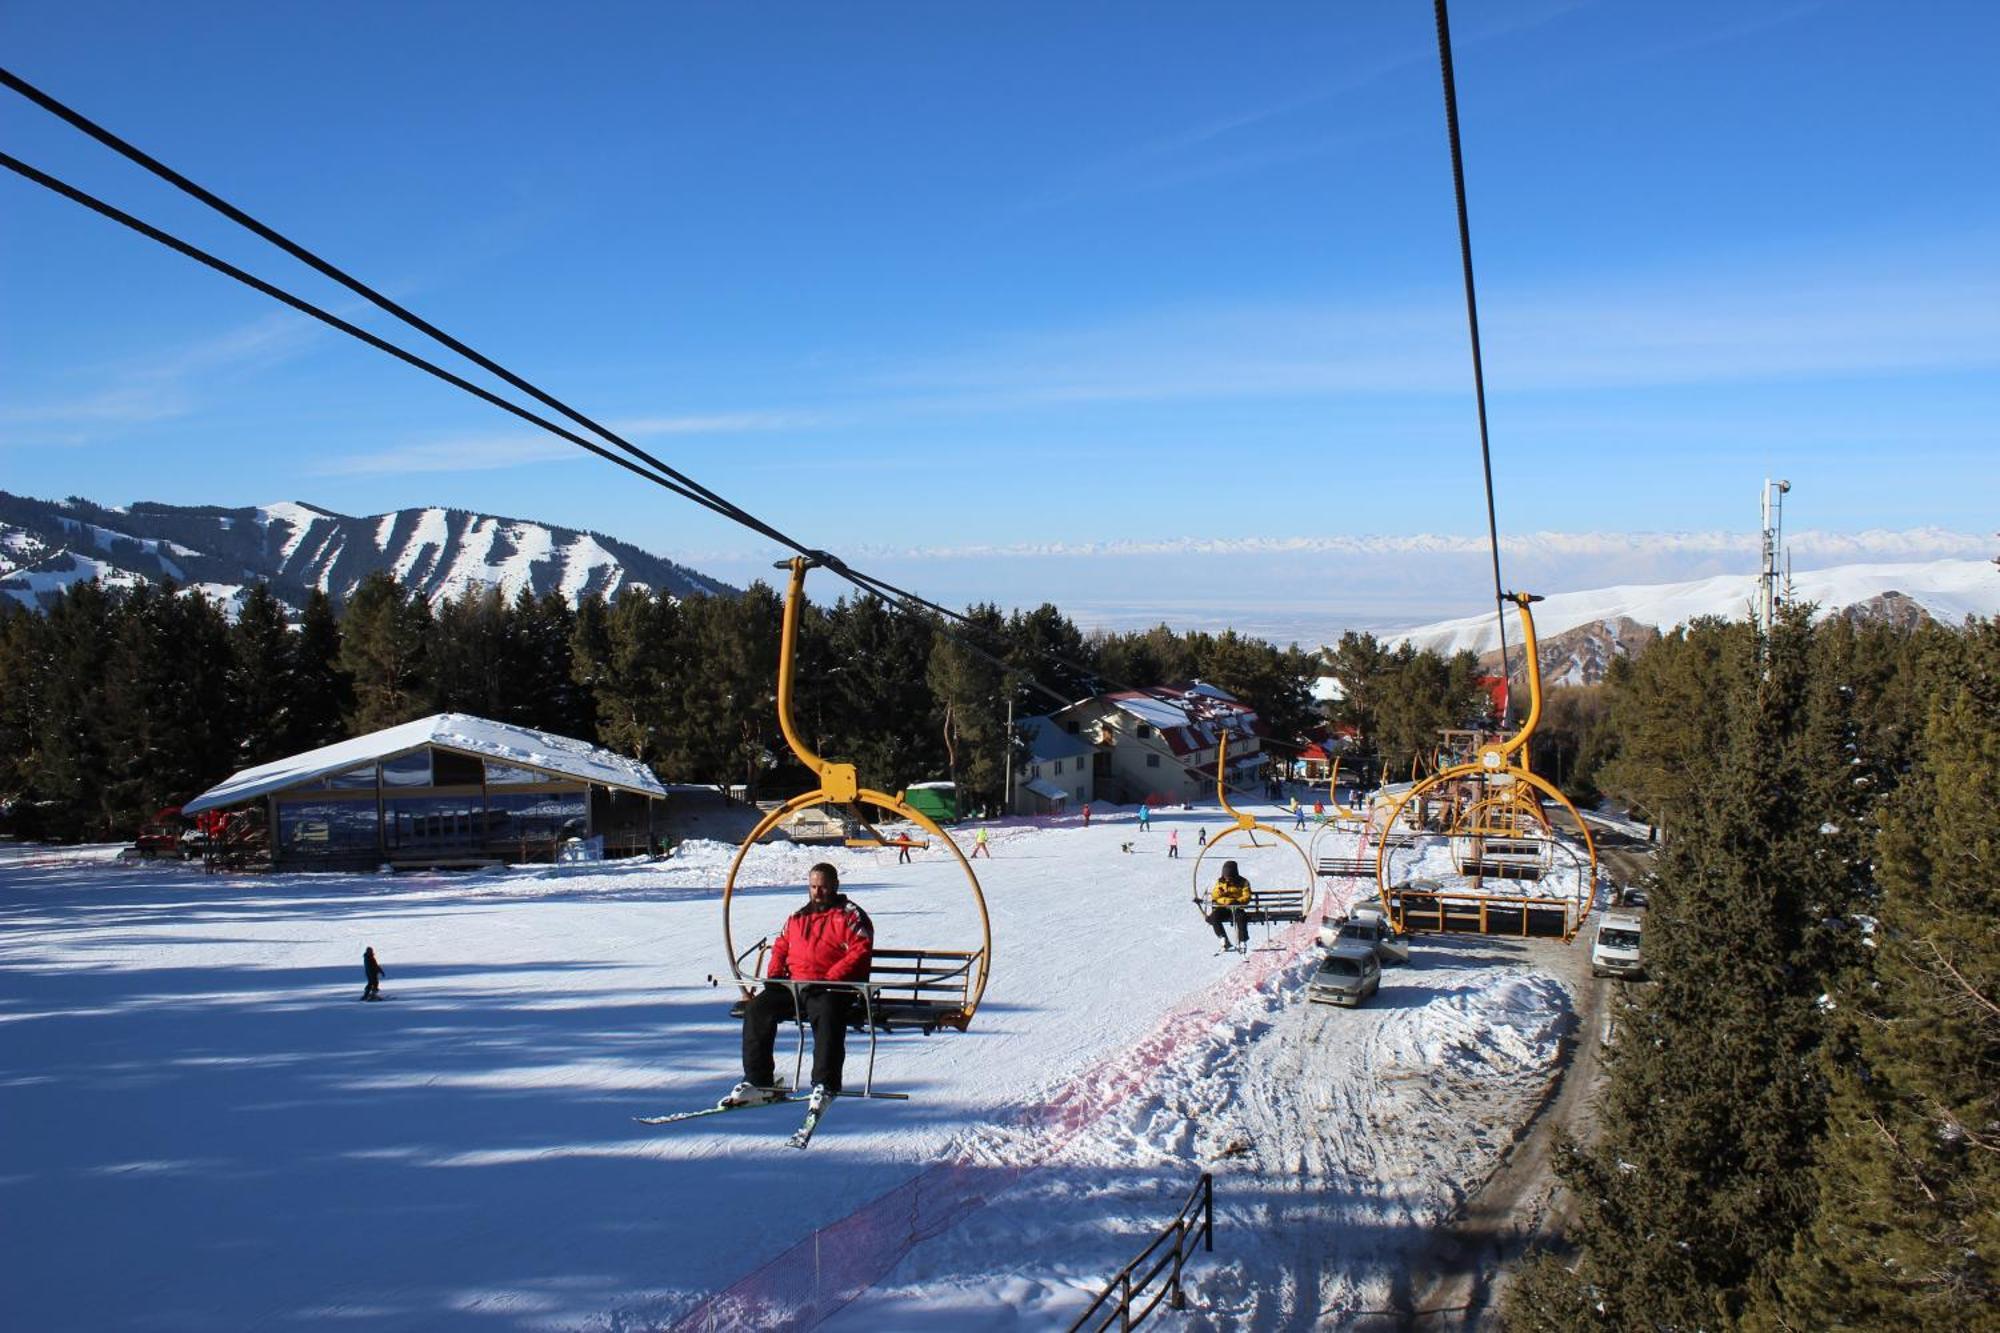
(969,701)
(262,685)
(1907,1230)
(385,650)
(322,692)
(68,722)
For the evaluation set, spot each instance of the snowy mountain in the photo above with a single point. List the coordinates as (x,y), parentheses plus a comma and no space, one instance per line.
(47,545)
(1580,632)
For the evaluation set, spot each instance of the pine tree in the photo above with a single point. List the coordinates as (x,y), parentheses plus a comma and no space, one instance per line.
(1907,1231)
(322,691)
(385,641)
(969,701)
(262,685)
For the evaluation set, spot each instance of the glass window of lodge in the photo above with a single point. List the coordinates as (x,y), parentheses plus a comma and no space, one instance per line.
(455,770)
(407,770)
(1145,732)
(1152,761)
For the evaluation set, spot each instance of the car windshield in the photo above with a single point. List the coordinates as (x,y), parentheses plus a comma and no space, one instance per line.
(1339,967)
(1354,930)
(1618,939)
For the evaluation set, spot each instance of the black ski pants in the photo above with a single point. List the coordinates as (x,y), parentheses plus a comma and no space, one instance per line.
(826,1010)
(1218,915)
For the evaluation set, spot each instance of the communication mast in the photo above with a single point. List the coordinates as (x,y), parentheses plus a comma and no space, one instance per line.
(1767,576)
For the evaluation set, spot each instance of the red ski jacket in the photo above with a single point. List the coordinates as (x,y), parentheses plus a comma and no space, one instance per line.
(831,943)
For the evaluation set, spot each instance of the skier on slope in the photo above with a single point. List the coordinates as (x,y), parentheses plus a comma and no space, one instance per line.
(829,939)
(373,971)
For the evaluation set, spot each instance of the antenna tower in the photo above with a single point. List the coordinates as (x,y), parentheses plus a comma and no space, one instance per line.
(1767,576)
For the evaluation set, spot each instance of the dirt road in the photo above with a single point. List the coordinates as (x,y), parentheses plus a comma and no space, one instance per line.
(1456,1280)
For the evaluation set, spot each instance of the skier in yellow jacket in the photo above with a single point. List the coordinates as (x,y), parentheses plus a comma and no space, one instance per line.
(1231,897)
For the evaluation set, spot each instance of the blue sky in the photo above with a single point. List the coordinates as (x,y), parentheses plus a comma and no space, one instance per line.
(950,283)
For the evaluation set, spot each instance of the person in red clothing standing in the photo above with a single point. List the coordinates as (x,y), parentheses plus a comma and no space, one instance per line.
(829,939)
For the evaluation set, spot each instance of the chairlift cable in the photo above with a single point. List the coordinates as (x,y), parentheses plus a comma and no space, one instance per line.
(665,475)
(1472,320)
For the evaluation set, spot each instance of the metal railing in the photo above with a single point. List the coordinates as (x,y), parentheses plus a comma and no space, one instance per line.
(1127,1290)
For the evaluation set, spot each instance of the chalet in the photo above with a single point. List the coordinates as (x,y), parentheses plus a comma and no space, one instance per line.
(1054,776)
(1161,745)
(444,790)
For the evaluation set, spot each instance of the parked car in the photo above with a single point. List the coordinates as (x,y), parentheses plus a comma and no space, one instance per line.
(1615,951)
(1347,975)
(1365,928)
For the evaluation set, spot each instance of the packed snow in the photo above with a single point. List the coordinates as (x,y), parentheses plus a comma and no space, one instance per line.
(206,1131)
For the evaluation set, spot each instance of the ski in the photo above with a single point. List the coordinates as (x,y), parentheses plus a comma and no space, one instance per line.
(678,1116)
(804,1133)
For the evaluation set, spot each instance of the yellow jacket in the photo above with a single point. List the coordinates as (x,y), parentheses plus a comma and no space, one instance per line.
(1225,894)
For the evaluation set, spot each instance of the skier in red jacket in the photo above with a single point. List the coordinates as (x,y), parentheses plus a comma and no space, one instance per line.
(829,939)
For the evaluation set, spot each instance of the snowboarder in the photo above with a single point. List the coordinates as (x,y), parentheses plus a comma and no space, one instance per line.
(829,939)
(1173,844)
(1230,896)
(979,847)
(373,971)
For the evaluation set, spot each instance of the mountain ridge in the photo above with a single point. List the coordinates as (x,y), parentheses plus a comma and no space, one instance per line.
(1579,633)
(295,547)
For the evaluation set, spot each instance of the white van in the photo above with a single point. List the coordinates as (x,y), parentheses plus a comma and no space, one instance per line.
(1615,952)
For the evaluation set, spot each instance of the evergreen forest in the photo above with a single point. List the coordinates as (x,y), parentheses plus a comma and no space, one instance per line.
(1801,1123)
(114,704)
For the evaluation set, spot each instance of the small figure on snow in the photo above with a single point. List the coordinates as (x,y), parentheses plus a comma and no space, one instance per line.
(1201,837)
(1086,814)
(1173,844)
(829,939)
(1230,896)
(979,847)
(1145,817)
(1298,814)
(373,971)
(903,852)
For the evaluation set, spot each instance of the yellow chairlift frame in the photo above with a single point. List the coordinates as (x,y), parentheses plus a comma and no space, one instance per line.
(1247,825)
(839,785)
(1495,759)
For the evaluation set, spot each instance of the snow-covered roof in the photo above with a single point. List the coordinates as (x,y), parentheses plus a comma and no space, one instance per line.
(1189,717)
(1049,739)
(561,756)
(1048,791)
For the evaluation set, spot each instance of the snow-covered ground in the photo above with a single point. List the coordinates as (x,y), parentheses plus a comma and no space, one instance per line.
(205,1131)
(1949,590)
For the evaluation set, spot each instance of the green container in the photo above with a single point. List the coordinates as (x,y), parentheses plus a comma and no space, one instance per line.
(937,800)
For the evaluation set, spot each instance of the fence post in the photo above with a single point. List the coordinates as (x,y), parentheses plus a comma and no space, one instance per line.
(1125,1303)
(1175,1301)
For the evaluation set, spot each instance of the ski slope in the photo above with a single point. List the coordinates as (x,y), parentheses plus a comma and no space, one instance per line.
(206,1131)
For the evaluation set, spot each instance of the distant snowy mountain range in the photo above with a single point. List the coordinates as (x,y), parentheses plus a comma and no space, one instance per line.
(1580,632)
(47,545)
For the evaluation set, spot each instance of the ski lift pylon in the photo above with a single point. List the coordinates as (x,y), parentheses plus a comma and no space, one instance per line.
(933,987)
(1433,907)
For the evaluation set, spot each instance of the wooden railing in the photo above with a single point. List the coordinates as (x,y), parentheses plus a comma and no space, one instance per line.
(1123,1303)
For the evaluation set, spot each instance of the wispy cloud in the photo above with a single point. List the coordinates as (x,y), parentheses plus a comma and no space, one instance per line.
(469,454)
(720,423)
(1722,324)
(167,386)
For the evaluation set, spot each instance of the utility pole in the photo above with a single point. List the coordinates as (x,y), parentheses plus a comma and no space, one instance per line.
(1007,754)
(1767,576)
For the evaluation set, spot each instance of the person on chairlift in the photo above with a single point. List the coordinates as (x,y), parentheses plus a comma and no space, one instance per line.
(829,939)
(1229,898)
